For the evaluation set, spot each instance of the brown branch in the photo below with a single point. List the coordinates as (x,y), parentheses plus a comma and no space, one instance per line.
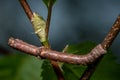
(55,55)
(54,63)
(105,44)
(35,51)
(23,46)
(26,8)
(57,70)
(71,58)
(49,17)
(112,34)
(32,49)
(90,69)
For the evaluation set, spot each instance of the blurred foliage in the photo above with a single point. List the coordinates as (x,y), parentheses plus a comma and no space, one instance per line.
(20,67)
(108,69)
(48,73)
(47,2)
(26,67)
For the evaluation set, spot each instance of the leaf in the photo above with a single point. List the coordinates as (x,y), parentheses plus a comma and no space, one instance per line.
(47,2)
(20,67)
(48,72)
(39,26)
(108,69)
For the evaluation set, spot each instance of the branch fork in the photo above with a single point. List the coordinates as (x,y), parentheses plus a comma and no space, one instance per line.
(91,59)
(57,56)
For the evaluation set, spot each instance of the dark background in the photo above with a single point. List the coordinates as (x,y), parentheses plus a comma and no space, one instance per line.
(73,21)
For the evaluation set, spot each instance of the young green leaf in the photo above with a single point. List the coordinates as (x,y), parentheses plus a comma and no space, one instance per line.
(108,69)
(47,2)
(39,26)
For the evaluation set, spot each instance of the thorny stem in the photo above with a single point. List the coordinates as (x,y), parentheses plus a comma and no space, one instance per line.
(29,13)
(105,44)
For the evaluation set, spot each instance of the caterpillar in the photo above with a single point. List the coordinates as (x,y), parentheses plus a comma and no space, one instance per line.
(89,58)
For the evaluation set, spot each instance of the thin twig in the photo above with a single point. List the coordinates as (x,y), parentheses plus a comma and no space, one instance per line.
(29,13)
(23,46)
(26,8)
(112,34)
(54,63)
(105,44)
(90,69)
(49,17)
(55,55)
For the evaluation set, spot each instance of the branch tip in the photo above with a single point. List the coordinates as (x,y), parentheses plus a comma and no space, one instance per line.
(11,41)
